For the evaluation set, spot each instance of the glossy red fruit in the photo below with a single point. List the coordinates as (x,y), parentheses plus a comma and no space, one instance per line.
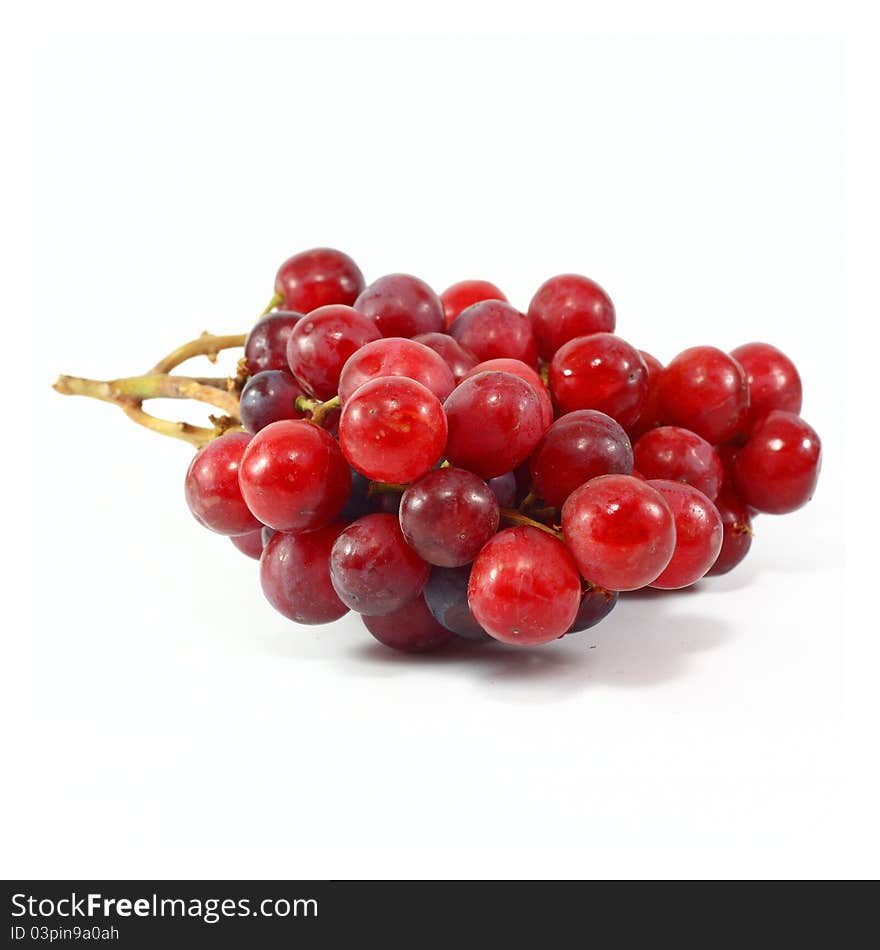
(600,372)
(373,569)
(566,307)
(528,373)
(212,490)
(705,390)
(295,575)
(411,629)
(736,523)
(777,469)
(392,429)
(464,294)
(448,515)
(456,357)
(698,535)
(396,356)
(401,305)
(651,415)
(266,345)
(620,531)
(294,477)
(492,329)
(774,382)
(524,587)
(679,455)
(320,344)
(577,447)
(250,544)
(495,423)
(318,278)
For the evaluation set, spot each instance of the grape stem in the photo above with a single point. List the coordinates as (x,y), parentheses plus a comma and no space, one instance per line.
(319,410)
(386,488)
(528,501)
(129,394)
(205,345)
(277,300)
(512,516)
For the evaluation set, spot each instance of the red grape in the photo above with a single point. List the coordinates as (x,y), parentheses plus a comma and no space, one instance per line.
(373,569)
(524,587)
(212,490)
(448,515)
(494,423)
(774,382)
(462,295)
(295,575)
(620,531)
(392,429)
(266,344)
(456,357)
(493,329)
(777,469)
(294,477)
(250,544)
(401,305)
(317,278)
(736,523)
(679,455)
(412,628)
(321,343)
(395,356)
(566,307)
(600,372)
(269,397)
(698,534)
(705,390)
(651,416)
(577,447)
(530,375)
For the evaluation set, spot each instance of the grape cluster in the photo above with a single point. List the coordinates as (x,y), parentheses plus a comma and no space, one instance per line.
(452,467)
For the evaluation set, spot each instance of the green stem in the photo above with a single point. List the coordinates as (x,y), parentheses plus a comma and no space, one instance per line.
(511,516)
(319,410)
(387,488)
(206,345)
(277,300)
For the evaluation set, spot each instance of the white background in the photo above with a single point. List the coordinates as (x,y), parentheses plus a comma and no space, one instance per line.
(160,719)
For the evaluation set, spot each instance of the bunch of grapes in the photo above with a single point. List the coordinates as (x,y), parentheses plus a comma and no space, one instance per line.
(449,466)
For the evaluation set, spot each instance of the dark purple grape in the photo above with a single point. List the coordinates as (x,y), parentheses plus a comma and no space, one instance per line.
(446,597)
(268,397)
(266,344)
(363,502)
(596,604)
(504,487)
(360,502)
(448,515)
